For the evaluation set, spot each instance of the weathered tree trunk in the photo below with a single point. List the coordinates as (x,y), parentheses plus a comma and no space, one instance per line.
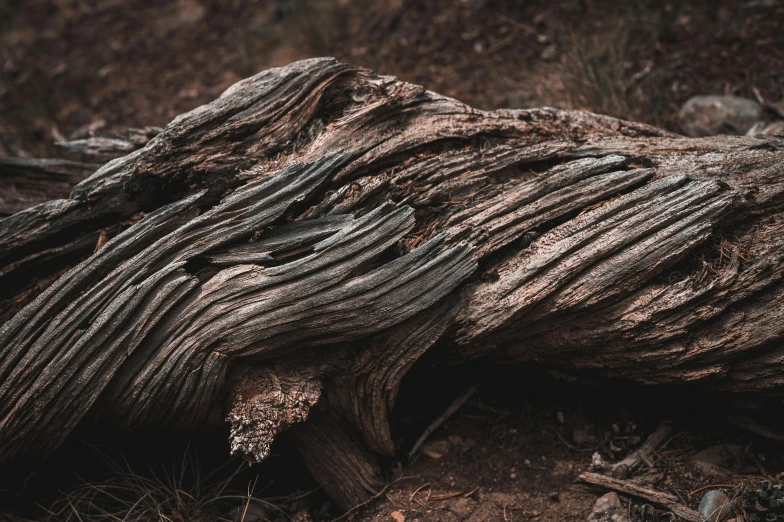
(282,256)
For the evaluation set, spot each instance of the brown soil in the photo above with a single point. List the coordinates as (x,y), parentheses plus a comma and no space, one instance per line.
(515,450)
(69,65)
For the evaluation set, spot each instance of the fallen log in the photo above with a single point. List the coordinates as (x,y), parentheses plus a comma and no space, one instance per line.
(279,259)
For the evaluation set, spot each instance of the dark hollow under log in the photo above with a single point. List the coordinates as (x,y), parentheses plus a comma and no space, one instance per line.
(280,257)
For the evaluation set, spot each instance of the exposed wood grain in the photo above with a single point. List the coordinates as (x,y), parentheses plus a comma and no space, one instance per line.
(280,257)
(27,182)
(110,145)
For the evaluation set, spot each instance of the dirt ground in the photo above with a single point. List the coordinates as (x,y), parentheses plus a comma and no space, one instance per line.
(513,452)
(67,66)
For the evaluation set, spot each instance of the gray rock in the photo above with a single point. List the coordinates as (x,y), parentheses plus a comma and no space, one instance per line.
(608,508)
(715,506)
(712,460)
(711,115)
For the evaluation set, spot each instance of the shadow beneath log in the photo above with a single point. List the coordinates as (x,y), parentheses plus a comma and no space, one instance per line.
(528,393)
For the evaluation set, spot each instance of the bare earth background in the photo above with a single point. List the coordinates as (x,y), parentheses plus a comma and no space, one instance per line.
(514,450)
(65,64)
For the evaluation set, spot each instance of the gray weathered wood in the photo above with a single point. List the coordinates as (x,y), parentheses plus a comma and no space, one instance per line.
(279,258)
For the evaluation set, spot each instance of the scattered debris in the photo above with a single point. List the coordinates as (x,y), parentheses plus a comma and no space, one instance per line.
(462,399)
(765,503)
(622,439)
(716,460)
(608,508)
(767,128)
(644,453)
(300,515)
(350,513)
(598,463)
(649,478)
(660,498)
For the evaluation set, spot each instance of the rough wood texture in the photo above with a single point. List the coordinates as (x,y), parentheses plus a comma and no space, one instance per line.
(27,182)
(284,254)
(111,145)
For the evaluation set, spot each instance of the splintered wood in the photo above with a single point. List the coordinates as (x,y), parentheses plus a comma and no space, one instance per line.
(280,258)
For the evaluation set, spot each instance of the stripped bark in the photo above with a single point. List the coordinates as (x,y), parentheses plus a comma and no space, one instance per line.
(280,257)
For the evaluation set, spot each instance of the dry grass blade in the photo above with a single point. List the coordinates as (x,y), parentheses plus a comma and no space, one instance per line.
(179,494)
(594,72)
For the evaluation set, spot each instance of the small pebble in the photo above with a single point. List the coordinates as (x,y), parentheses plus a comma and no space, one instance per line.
(608,508)
(711,115)
(550,52)
(715,506)
(436,449)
